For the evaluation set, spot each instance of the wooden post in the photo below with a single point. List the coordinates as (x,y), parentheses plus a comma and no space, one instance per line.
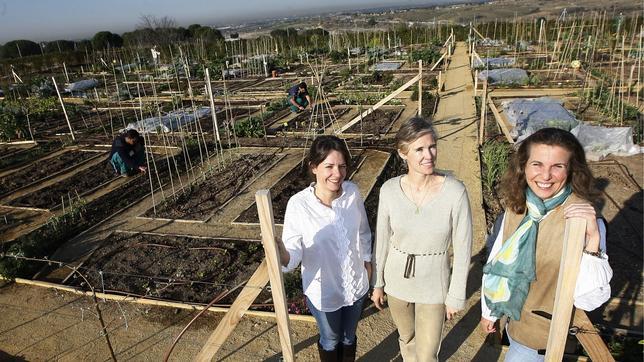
(378,105)
(476,81)
(440,81)
(500,121)
(64,111)
(225,327)
(483,113)
(573,245)
(267,225)
(420,88)
(591,341)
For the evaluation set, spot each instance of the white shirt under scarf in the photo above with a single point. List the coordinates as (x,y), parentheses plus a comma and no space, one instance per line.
(332,243)
(591,291)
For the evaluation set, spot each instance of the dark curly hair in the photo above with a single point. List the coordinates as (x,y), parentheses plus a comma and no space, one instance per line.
(513,183)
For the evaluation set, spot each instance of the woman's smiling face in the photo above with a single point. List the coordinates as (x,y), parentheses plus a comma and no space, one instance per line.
(421,155)
(330,173)
(546,171)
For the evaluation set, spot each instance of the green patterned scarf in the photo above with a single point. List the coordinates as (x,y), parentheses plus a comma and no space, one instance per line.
(507,277)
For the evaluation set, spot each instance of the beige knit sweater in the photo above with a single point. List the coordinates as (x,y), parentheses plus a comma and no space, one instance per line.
(443,220)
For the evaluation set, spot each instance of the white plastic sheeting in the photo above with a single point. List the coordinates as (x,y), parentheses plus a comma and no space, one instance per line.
(493,62)
(527,116)
(530,115)
(504,76)
(600,141)
(170,122)
(383,66)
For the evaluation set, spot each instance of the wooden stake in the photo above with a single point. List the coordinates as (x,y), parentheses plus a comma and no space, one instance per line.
(379,104)
(500,121)
(591,340)
(225,327)
(64,111)
(573,245)
(267,226)
(483,113)
(476,81)
(420,88)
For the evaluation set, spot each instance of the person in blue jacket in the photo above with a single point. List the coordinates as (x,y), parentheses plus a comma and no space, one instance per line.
(128,153)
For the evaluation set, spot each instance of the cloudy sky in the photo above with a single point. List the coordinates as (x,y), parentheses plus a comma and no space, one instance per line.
(42,20)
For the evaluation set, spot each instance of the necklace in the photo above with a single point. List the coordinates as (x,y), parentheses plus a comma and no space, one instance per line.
(422,199)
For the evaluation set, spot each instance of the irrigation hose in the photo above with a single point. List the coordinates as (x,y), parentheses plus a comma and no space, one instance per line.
(176,340)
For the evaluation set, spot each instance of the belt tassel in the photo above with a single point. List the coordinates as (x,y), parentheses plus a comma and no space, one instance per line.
(410,266)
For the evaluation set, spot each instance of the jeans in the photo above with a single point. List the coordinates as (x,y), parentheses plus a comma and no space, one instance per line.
(338,326)
(302,101)
(121,167)
(521,353)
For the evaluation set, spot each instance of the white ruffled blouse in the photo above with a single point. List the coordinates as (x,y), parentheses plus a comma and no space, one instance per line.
(332,243)
(592,288)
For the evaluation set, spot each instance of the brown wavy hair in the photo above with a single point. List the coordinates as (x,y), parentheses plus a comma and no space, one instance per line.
(513,183)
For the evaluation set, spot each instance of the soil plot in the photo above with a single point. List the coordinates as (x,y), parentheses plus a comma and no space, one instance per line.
(201,200)
(171,267)
(322,119)
(76,185)
(377,122)
(293,182)
(43,168)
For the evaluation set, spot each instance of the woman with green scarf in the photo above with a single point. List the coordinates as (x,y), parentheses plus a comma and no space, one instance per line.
(547,181)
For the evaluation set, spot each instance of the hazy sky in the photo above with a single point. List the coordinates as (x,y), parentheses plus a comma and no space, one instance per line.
(41,20)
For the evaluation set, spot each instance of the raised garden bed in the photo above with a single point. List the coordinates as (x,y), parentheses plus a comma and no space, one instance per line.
(22,157)
(172,267)
(72,187)
(201,200)
(377,122)
(293,182)
(222,117)
(301,123)
(43,168)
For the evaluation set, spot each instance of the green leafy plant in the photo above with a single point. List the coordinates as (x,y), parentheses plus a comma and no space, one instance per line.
(495,155)
(250,127)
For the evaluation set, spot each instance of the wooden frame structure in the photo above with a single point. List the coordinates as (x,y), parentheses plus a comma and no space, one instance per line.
(562,314)
(269,269)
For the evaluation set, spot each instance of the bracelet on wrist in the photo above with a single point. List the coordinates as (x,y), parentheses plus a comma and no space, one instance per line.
(598,254)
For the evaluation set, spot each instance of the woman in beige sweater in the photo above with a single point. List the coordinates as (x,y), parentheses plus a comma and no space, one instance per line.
(419,215)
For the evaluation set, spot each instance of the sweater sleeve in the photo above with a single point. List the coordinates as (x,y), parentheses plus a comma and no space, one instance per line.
(462,244)
(291,236)
(593,288)
(383,233)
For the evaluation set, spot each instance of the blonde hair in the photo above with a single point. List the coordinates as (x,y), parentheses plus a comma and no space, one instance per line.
(412,130)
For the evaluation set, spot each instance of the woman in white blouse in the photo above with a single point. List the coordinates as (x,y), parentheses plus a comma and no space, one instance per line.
(547,181)
(326,229)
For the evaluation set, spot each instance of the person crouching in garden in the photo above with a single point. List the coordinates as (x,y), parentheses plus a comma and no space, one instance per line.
(326,230)
(298,98)
(127,156)
(547,182)
(420,214)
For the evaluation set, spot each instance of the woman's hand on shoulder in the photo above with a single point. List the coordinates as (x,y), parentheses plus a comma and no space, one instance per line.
(587,212)
(378,297)
(487,325)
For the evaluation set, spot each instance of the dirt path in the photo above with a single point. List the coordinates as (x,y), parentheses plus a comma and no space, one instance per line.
(456,124)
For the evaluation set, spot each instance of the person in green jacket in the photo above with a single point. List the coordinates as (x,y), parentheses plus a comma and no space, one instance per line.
(298,98)
(128,153)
